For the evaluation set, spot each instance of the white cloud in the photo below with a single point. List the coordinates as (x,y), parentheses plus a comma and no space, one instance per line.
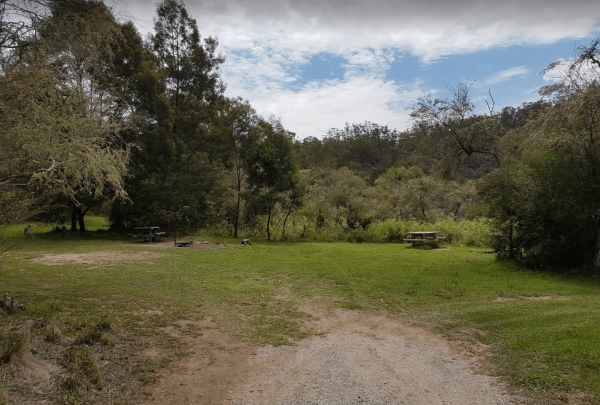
(561,72)
(267,42)
(319,106)
(427,28)
(311,109)
(502,76)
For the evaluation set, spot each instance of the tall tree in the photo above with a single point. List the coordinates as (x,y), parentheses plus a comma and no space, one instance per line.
(272,167)
(572,77)
(465,132)
(191,65)
(50,146)
(240,122)
(182,148)
(75,128)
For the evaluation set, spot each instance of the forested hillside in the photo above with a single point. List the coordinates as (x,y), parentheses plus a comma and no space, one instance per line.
(94,116)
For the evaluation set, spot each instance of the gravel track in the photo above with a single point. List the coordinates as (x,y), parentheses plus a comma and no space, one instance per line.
(367,361)
(355,358)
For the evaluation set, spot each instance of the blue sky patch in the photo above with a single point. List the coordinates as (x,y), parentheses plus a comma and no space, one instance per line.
(321,67)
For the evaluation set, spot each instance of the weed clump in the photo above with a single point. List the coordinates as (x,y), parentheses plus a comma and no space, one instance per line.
(91,336)
(51,333)
(45,310)
(104,324)
(13,343)
(82,373)
(143,375)
(90,332)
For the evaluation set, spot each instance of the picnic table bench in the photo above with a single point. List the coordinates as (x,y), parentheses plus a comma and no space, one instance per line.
(148,232)
(421,237)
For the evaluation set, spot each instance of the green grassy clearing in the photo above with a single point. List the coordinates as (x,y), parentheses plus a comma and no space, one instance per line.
(548,346)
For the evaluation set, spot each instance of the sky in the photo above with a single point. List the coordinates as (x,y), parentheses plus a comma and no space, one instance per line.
(318,64)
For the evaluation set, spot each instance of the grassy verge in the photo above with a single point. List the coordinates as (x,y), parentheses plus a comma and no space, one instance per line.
(544,329)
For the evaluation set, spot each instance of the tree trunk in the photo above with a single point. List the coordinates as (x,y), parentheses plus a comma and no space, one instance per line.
(511,248)
(285,221)
(597,254)
(237,216)
(74,218)
(80,215)
(269,222)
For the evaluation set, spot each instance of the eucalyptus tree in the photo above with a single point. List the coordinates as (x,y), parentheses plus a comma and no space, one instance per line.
(190,63)
(546,199)
(272,167)
(462,131)
(240,123)
(573,76)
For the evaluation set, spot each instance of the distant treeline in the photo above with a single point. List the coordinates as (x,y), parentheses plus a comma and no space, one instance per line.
(93,115)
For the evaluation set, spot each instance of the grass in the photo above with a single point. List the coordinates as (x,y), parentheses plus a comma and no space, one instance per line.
(546,346)
(13,344)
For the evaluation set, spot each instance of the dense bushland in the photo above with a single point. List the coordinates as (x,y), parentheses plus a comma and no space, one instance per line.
(144,129)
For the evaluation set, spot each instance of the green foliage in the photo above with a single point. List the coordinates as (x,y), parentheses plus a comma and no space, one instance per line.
(460,233)
(182,147)
(272,169)
(545,204)
(63,114)
(65,153)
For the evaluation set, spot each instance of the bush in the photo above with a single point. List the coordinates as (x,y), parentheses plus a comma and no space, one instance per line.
(475,232)
(467,233)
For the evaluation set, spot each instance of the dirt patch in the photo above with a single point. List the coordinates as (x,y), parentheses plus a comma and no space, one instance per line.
(203,245)
(355,358)
(36,375)
(214,361)
(528,298)
(40,376)
(144,313)
(95,258)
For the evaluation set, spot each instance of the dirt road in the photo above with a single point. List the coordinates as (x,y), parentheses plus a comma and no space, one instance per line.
(358,358)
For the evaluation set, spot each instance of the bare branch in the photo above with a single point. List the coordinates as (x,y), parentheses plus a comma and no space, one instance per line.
(490,109)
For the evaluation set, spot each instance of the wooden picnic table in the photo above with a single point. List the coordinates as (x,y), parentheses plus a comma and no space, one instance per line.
(148,232)
(421,237)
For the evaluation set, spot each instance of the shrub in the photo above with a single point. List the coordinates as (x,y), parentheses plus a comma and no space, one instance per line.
(468,232)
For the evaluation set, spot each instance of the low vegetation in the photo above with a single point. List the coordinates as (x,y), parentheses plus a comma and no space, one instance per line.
(542,328)
(325,215)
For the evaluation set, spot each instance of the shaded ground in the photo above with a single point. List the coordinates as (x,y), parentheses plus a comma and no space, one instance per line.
(94,258)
